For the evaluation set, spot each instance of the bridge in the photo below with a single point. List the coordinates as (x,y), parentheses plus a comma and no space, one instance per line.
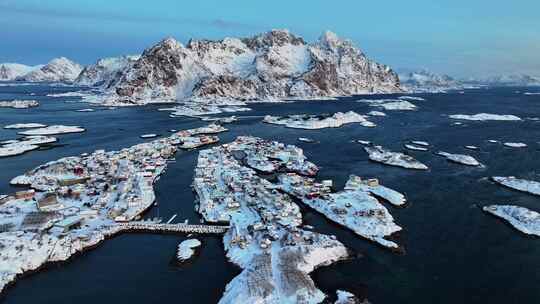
(173,228)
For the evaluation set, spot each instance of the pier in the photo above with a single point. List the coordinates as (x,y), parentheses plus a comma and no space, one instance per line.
(173,228)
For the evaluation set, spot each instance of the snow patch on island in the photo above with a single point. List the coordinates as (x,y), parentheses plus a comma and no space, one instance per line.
(485,117)
(523,219)
(381,155)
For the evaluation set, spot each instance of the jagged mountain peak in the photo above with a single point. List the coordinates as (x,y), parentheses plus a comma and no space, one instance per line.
(273,38)
(168,44)
(274,64)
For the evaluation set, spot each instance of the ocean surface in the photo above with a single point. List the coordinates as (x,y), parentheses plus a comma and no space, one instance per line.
(454,253)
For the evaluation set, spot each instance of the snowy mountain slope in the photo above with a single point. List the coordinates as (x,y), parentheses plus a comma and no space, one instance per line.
(10,71)
(105,72)
(273,65)
(57,70)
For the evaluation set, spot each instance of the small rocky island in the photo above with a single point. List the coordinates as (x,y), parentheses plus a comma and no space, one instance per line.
(523,219)
(461,159)
(381,155)
(19,104)
(313,122)
(532,187)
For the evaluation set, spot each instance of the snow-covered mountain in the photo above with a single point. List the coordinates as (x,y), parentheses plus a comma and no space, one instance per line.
(10,71)
(105,72)
(424,80)
(507,80)
(57,70)
(273,65)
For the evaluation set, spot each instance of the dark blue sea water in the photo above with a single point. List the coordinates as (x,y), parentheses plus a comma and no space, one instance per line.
(454,253)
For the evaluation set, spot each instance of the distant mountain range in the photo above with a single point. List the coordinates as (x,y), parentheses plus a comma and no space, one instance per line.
(426,81)
(506,80)
(272,65)
(10,71)
(57,70)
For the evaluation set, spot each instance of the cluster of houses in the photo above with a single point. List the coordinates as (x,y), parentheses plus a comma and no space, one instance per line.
(103,187)
(230,190)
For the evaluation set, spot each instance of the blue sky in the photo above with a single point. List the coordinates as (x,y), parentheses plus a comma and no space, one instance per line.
(459,37)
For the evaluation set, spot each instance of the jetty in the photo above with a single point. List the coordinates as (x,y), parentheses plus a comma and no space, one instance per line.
(172,228)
